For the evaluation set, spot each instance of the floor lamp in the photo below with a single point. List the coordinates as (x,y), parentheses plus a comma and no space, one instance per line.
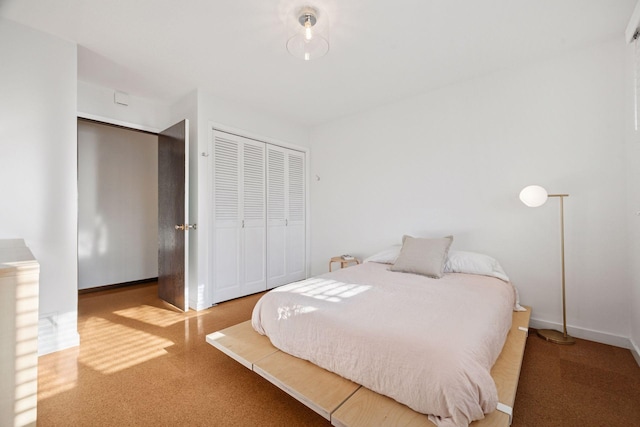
(534,196)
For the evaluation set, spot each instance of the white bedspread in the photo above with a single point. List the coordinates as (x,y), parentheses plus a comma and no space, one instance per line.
(427,343)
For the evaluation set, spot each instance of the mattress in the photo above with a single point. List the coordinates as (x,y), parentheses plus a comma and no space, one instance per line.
(427,343)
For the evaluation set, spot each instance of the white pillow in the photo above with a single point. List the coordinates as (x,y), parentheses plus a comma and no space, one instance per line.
(474,263)
(388,256)
(457,262)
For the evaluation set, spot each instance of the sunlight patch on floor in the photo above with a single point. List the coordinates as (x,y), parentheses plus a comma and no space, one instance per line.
(109,347)
(58,372)
(152,315)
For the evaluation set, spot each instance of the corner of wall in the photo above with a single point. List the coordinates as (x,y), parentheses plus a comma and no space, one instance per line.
(635,351)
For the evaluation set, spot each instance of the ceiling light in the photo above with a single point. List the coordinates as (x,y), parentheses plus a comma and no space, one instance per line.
(311,35)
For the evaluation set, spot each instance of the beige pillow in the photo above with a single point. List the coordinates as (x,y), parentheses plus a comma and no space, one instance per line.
(423,256)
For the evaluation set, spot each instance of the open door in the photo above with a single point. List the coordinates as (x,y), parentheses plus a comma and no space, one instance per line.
(173,204)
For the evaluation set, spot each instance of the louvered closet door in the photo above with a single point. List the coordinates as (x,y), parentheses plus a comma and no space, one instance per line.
(276,217)
(239,239)
(296,243)
(286,245)
(254,239)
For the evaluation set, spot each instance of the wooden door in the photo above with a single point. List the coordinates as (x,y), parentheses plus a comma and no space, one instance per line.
(173,227)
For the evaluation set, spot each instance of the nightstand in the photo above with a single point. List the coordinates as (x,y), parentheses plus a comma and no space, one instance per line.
(343,262)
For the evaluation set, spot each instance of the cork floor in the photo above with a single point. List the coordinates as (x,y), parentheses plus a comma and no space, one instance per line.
(142,363)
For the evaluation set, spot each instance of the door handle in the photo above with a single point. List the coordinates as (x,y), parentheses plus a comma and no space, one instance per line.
(185,227)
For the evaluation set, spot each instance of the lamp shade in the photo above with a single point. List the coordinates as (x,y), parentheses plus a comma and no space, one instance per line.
(310,35)
(533,196)
(302,48)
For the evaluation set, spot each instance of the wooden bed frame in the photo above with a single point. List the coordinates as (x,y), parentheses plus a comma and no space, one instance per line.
(347,404)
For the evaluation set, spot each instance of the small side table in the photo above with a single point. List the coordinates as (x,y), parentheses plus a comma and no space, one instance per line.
(343,262)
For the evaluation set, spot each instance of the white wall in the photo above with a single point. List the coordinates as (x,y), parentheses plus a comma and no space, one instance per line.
(453,162)
(117,205)
(633,156)
(260,123)
(633,210)
(38,169)
(97,102)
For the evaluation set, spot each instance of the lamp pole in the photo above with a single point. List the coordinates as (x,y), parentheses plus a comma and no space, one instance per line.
(549,334)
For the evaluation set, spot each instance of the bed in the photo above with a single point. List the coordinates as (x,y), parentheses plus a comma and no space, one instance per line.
(428,343)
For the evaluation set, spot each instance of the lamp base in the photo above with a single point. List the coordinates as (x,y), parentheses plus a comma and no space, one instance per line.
(555,337)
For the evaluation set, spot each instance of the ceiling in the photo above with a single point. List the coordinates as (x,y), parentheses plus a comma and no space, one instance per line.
(381,51)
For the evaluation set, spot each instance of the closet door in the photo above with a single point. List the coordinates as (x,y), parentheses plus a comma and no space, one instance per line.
(296,228)
(277,198)
(286,245)
(253,232)
(239,241)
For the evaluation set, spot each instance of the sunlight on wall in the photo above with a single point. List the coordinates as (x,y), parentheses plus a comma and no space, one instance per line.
(109,347)
(26,349)
(19,302)
(152,315)
(94,240)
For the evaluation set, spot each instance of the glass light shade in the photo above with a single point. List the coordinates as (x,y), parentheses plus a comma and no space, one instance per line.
(309,36)
(533,196)
(303,48)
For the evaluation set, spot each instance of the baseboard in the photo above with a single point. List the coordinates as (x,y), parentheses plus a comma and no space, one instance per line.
(585,334)
(635,351)
(116,286)
(57,331)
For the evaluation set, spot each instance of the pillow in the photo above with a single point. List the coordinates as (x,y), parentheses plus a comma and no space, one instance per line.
(474,263)
(423,256)
(388,256)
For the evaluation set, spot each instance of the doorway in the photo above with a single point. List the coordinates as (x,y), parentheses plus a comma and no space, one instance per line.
(117,205)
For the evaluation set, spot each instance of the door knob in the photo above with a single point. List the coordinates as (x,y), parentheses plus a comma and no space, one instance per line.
(185,227)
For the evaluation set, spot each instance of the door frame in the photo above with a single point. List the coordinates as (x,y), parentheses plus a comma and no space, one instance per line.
(108,121)
(119,123)
(94,120)
(205,193)
(156,132)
